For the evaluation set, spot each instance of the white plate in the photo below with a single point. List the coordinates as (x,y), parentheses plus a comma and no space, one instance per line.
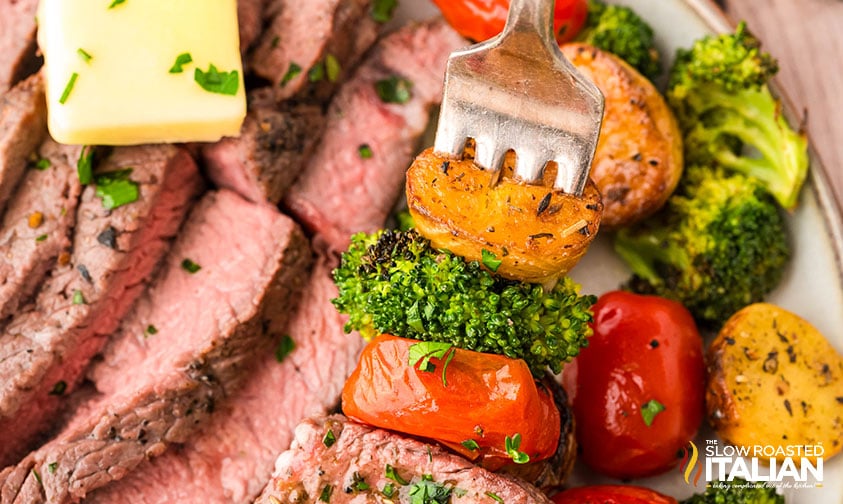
(813,284)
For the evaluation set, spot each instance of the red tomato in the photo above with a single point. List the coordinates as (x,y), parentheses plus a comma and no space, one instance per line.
(611,494)
(485,398)
(483,19)
(645,354)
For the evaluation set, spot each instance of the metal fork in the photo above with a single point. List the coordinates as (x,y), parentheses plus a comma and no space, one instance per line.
(518,91)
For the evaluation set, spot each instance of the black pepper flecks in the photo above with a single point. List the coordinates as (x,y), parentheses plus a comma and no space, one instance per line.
(83,270)
(787,407)
(108,237)
(543,204)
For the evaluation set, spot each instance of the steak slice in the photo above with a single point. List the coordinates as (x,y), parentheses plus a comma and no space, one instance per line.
(159,385)
(37,225)
(301,35)
(312,468)
(342,192)
(231,460)
(23,125)
(249,22)
(274,142)
(45,350)
(17,41)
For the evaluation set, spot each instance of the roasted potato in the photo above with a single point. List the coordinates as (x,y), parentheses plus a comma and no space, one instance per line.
(638,160)
(773,379)
(538,233)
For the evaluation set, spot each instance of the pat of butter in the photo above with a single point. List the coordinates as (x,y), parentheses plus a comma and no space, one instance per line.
(107,67)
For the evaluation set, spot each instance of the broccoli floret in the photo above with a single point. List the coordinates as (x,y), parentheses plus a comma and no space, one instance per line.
(395,282)
(619,30)
(718,90)
(719,244)
(738,491)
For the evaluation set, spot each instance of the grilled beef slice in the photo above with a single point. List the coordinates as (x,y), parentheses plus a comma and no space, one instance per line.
(185,346)
(249,22)
(343,190)
(353,469)
(37,224)
(274,142)
(231,459)
(17,41)
(44,350)
(300,36)
(23,125)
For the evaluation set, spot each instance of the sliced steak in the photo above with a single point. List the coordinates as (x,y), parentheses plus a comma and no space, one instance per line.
(341,191)
(189,341)
(23,125)
(36,227)
(17,41)
(301,35)
(313,468)
(231,460)
(44,351)
(274,142)
(249,21)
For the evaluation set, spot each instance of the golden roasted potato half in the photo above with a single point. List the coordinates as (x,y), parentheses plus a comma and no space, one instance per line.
(773,379)
(638,160)
(538,233)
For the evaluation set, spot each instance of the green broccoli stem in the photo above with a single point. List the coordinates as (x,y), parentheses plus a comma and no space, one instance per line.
(643,249)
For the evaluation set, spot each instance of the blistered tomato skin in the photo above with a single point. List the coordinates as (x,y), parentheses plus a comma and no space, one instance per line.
(645,353)
(611,494)
(483,19)
(485,398)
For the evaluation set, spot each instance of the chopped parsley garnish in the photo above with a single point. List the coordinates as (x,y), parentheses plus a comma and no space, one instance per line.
(332,68)
(394,90)
(41,238)
(365,151)
(151,330)
(51,468)
(511,445)
(428,491)
(382,10)
(116,189)
(325,496)
(37,477)
(470,444)
(649,410)
(359,484)
(420,354)
(292,72)
(392,474)
(115,3)
(275,41)
(59,388)
(329,439)
(190,266)
(495,497)
(42,164)
(215,81)
(68,87)
(85,165)
(490,260)
(181,60)
(388,490)
(78,297)
(285,346)
(316,72)
(85,55)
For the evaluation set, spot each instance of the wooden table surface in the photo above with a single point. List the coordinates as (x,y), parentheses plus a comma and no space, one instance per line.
(807,38)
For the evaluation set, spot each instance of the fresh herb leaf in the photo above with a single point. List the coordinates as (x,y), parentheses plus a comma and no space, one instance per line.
(190,266)
(85,165)
(428,491)
(37,477)
(41,238)
(495,497)
(332,68)
(115,3)
(151,330)
(285,346)
(214,81)
(42,164)
(316,72)
(78,297)
(414,320)
(649,410)
(116,189)
(275,41)
(392,474)
(52,466)
(329,439)
(394,90)
(325,496)
(405,220)
(365,151)
(382,10)
(181,60)
(470,444)
(292,72)
(85,55)
(420,354)
(359,484)
(511,445)
(59,388)
(460,492)
(388,490)
(68,87)
(490,260)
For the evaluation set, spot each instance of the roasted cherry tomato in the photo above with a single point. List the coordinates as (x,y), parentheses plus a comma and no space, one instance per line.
(482,19)
(611,494)
(462,398)
(637,389)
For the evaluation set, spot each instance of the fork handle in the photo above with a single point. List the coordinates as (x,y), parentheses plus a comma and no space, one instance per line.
(530,16)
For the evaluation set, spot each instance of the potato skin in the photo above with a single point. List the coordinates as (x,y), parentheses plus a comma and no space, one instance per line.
(538,233)
(773,379)
(638,160)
